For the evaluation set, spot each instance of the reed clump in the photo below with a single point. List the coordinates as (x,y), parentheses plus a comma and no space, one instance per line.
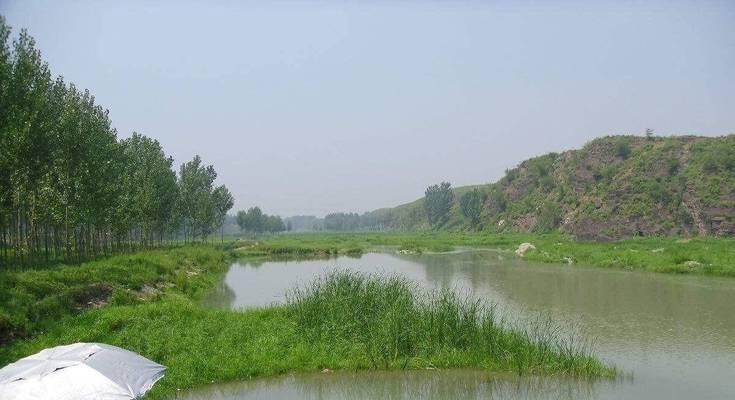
(392,323)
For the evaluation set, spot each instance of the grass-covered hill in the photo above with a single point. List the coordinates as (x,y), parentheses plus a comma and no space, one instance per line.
(613,187)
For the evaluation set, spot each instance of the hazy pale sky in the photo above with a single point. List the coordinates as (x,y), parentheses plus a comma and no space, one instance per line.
(311,107)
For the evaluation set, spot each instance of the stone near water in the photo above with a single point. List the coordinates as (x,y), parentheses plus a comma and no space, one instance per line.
(523,248)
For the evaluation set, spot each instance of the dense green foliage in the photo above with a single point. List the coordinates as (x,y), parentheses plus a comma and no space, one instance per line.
(438,200)
(342,222)
(69,189)
(202,206)
(254,220)
(470,204)
(148,188)
(343,321)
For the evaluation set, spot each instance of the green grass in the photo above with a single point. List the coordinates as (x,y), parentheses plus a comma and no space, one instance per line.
(301,246)
(32,300)
(700,255)
(387,322)
(342,321)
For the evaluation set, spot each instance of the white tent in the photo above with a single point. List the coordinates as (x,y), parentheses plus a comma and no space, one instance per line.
(79,371)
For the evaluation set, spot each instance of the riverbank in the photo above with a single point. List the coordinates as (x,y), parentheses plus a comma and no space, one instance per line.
(152,308)
(34,300)
(696,255)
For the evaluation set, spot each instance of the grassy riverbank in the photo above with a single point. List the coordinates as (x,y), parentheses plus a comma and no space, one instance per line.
(698,255)
(343,321)
(33,300)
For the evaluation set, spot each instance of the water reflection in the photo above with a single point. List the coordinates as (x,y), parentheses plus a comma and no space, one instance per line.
(451,384)
(222,295)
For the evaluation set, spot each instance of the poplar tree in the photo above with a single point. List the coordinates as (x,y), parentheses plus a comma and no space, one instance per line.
(69,189)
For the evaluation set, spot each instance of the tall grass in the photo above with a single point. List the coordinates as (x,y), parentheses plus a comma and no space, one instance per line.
(396,325)
(31,300)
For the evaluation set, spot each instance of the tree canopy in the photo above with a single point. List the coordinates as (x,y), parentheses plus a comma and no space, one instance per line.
(255,221)
(69,188)
(470,204)
(438,200)
(342,222)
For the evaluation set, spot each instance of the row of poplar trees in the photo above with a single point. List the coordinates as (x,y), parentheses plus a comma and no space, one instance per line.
(69,189)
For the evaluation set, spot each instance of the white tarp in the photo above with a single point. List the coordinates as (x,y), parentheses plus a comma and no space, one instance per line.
(79,371)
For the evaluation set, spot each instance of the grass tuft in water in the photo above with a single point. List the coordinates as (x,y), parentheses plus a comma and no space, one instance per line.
(393,324)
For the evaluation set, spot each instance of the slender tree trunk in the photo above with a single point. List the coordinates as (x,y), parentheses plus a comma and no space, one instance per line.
(45,244)
(66,234)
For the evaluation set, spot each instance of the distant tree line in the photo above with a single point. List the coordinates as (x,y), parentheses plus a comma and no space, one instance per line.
(255,221)
(304,223)
(69,189)
(435,209)
(350,222)
(342,222)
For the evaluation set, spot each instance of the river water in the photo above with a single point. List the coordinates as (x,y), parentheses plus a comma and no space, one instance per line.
(672,336)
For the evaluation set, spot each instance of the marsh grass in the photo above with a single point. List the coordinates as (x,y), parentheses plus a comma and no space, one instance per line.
(397,325)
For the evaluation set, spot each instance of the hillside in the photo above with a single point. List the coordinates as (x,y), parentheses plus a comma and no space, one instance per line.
(613,187)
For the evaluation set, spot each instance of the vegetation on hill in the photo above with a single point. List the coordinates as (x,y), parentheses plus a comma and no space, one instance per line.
(614,187)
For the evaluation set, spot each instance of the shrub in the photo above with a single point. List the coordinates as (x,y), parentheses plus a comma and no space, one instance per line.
(622,149)
(548,218)
(546,183)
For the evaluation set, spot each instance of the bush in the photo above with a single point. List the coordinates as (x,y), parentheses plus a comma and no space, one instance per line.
(716,156)
(548,218)
(546,183)
(622,149)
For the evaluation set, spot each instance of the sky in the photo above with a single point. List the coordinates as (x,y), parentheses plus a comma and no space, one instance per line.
(311,107)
